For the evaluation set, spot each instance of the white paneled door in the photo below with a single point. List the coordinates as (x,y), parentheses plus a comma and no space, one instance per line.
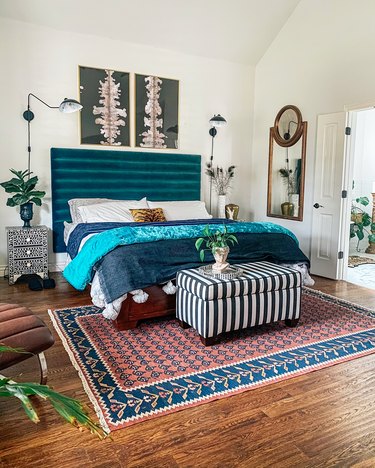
(327,227)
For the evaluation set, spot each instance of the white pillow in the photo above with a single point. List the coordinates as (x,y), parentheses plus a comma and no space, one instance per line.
(75,203)
(107,212)
(175,210)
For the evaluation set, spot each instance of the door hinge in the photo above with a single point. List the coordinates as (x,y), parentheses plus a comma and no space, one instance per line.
(340,255)
(344,193)
(348,131)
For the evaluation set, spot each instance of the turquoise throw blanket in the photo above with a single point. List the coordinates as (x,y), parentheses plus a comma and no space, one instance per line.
(79,271)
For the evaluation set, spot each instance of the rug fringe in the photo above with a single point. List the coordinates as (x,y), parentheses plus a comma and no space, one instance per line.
(76,366)
(319,293)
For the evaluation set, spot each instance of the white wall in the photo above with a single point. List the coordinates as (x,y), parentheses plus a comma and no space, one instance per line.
(321,61)
(45,61)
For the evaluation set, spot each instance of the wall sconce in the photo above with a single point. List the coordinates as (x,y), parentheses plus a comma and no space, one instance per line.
(215,121)
(67,107)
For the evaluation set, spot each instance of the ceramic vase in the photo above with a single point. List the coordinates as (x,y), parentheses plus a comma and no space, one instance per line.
(26,213)
(221,202)
(220,255)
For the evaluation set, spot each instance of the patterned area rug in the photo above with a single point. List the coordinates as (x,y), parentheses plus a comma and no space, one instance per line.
(356,260)
(160,368)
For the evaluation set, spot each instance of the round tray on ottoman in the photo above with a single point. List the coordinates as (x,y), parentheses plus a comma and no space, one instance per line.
(229,273)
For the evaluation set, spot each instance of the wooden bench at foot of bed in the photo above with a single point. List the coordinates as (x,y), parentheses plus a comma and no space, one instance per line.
(158,304)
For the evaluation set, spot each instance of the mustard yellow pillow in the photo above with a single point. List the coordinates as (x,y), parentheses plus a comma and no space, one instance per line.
(148,215)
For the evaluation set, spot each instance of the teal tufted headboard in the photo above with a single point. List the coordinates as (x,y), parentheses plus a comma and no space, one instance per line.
(121,175)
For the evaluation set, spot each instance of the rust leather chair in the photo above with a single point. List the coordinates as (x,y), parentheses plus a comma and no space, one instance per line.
(20,328)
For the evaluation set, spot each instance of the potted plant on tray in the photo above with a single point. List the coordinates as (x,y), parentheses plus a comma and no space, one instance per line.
(23,187)
(218,243)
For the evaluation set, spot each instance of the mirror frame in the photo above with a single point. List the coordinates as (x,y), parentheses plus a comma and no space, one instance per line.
(302,132)
(280,140)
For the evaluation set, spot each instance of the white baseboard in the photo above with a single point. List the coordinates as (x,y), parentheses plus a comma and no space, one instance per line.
(3,270)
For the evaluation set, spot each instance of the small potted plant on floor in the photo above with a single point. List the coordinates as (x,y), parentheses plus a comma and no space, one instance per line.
(218,243)
(23,187)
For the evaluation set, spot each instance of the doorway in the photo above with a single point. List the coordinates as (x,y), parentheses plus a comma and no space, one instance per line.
(340,137)
(359,266)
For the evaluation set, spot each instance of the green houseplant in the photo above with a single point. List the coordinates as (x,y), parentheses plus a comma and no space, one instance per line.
(360,221)
(70,409)
(23,188)
(218,243)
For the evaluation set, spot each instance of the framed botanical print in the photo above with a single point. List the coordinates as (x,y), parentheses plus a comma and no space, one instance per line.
(156,112)
(104,95)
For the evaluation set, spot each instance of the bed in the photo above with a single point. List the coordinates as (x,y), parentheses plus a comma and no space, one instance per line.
(133,264)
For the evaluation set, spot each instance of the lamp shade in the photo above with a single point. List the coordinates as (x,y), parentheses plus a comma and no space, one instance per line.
(70,105)
(218,121)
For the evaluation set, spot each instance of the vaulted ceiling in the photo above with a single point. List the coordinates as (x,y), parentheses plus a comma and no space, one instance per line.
(236,30)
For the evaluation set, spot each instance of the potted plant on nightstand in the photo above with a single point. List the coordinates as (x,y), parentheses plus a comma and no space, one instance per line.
(23,188)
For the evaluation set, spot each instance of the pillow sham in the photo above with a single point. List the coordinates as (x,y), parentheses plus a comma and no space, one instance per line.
(177,210)
(68,228)
(149,215)
(75,203)
(107,212)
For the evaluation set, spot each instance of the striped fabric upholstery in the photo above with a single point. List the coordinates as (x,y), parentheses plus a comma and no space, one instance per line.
(264,293)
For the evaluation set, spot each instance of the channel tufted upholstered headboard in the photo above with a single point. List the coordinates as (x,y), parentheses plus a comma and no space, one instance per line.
(120,175)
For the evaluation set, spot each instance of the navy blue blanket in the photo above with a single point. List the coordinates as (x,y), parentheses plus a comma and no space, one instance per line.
(137,266)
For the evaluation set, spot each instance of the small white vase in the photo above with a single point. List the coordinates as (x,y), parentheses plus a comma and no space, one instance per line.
(221,202)
(294,198)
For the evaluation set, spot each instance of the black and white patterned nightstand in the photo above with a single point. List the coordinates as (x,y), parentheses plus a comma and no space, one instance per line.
(27,251)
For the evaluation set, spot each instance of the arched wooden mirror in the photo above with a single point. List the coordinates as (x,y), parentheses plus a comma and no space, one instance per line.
(286,165)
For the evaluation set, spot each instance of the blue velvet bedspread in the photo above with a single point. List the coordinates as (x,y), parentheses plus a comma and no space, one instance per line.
(83,230)
(134,257)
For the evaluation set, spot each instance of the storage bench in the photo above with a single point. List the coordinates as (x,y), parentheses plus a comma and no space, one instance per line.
(265,293)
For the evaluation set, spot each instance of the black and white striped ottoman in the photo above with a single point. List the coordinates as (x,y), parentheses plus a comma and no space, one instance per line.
(264,293)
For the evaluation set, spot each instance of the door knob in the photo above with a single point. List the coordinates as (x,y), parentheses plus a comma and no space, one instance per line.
(316,205)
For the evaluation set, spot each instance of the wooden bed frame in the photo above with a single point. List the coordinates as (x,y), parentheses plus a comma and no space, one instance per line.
(123,175)
(158,304)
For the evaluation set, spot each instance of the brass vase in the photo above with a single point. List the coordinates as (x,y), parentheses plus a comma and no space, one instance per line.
(287,209)
(231,211)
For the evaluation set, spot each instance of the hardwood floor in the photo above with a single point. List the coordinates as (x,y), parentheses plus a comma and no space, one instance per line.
(324,418)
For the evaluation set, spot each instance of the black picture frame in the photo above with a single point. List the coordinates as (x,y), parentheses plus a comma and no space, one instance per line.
(156,126)
(111,127)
